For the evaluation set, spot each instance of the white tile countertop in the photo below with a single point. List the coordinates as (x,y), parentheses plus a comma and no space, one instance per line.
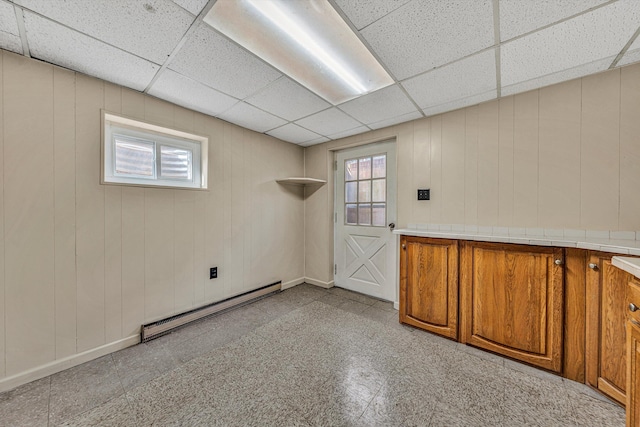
(618,242)
(630,265)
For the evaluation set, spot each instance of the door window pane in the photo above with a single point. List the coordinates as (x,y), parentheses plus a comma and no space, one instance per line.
(351,214)
(351,170)
(379,190)
(379,213)
(364,214)
(350,192)
(134,156)
(365,168)
(364,191)
(380,166)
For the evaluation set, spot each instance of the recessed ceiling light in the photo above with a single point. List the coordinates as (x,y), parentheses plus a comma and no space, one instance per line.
(306,40)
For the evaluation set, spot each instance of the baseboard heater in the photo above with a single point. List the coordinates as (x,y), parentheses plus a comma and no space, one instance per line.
(165,326)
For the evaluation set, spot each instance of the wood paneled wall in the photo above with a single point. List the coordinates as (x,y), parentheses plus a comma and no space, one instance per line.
(564,156)
(84,264)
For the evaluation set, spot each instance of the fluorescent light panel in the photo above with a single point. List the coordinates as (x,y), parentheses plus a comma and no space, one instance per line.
(306,40)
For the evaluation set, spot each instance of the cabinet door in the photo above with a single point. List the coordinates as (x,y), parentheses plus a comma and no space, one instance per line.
(429,284)
(633,373)
(606,326)
(512,301)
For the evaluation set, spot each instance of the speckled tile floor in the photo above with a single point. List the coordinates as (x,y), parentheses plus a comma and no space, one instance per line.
(305,357)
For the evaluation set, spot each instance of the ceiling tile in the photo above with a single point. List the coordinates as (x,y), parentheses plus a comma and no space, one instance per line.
(428,33)
(210,58)
(328,122)
(250,117)
(561,76)
(519,17)
(9,33)
(470,76)
(287,99)
(395,120)
(293,133)
(363,12)
(350,132)
(193,6)
(315,141)
(587,38)
(460,103)
(59,45)
(633,54)
(184,91)
(379,105)
(149,29)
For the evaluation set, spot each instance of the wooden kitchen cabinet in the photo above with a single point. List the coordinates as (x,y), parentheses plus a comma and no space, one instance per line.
(512,301)
(606,312)
(633,354)
(429,284)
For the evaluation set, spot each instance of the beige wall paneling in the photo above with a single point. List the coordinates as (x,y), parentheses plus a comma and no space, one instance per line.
(525,160)
(2,243)
(159,250)
(183,119)
(559,158)
(435,170)
(184,249)
(600,151)
(216,230)
(28,213)
(234,253)
(471,166)
(64,156)
(505,162)
(406,193)
(113,237)
(158,111)
(249,279)
(453,173)
(132,103)
(133,260)
(318,215)
(421,170)
(200,266)
(90,242)
(630,148)
(133,235)
(488,163)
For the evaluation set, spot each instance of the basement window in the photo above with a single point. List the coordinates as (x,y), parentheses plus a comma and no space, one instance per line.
(144,154)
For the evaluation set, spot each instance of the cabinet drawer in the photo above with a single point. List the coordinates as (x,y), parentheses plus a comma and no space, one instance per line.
(633,300)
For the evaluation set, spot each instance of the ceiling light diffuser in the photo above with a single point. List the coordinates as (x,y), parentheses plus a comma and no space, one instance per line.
(306,40)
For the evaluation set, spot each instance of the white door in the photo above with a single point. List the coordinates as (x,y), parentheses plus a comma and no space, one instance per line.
(365,201)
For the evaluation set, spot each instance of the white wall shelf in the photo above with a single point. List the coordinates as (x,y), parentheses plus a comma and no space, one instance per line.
(301,181)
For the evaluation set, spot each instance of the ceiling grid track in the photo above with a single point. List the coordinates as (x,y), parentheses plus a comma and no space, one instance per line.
(625,49)
(496,32)
(23,32)
(194,25)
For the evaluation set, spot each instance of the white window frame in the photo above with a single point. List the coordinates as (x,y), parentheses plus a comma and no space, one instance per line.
(113,124)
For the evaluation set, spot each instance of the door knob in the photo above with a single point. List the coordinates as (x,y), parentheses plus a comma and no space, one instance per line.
(558,262)
(593,266)
(392,225)
(633,307)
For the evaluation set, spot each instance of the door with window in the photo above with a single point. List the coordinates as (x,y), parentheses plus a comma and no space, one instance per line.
(365,203)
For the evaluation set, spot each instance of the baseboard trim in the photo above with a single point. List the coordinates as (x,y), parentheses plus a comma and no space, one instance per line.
(396,305)
(292,283)
(56,366)
(320,283)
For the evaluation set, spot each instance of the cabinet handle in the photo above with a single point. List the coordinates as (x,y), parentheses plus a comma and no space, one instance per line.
(593,266)
(633,307)
(404,246)
(558,262)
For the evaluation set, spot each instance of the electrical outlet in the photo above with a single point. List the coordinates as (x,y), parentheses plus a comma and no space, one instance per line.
(213,273)
(424,194)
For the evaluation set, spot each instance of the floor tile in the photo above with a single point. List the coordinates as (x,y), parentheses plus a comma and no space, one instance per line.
(115,413)
(82,388)
(27,405)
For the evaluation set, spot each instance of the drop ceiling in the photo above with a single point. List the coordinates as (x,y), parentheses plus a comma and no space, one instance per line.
(441,54)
